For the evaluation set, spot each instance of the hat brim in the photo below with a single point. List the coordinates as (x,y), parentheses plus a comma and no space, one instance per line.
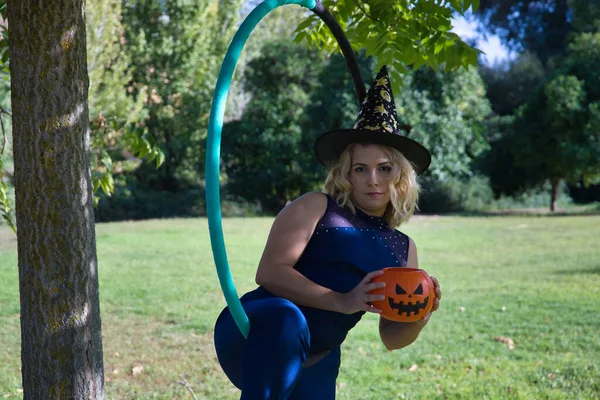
(330,145)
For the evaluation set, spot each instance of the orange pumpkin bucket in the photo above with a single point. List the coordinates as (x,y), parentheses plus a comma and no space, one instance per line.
(409,294)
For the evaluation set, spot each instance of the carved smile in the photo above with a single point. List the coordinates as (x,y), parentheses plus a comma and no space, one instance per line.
(408,308)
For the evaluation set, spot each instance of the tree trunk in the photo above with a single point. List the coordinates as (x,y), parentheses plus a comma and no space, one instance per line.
(61,349)
(555,182)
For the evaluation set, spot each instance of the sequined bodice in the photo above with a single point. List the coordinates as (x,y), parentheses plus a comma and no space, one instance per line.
(342,250)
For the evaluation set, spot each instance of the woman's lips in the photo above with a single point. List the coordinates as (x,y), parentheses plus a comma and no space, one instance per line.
(374,194)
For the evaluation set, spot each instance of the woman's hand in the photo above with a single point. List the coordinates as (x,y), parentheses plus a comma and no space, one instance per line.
(438,297)
(359,299)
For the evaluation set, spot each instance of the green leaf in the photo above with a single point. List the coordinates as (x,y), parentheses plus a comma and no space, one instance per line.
(160,158)
(305,24)
(95,183)
(439,46)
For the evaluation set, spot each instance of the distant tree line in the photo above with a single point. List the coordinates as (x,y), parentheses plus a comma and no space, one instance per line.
(528,123)
(525,125)
(545,125)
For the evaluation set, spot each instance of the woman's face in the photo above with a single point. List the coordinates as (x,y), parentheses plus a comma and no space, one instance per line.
(370,176)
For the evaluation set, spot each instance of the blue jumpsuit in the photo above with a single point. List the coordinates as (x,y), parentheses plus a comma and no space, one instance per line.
(269,364)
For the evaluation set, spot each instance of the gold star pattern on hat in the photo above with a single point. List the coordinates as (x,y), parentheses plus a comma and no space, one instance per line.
(386,96)
(378,111)
(376,123)
(387,127)
(381,109)
(381,81)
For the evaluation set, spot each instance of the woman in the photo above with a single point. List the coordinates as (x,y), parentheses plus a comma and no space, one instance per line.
(324,249)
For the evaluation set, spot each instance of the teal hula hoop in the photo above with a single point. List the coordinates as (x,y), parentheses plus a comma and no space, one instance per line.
(215,127)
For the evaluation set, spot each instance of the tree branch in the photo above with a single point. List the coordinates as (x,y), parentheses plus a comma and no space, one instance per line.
(185,383)
(361,8)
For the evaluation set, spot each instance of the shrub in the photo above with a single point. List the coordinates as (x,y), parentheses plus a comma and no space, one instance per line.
(455,195)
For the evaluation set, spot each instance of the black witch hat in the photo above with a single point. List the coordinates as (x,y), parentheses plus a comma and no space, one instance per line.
(377,123)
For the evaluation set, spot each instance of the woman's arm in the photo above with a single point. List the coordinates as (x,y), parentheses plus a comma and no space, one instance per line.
(396,335)
(290,233)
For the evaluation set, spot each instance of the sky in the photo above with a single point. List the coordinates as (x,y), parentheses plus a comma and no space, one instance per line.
(493,49)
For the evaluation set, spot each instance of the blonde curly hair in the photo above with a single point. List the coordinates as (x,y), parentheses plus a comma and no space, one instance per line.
(404,187)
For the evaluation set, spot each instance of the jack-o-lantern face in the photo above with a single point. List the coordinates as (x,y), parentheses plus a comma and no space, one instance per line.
(409,294)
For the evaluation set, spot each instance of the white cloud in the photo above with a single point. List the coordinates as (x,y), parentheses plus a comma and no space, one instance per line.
(492,47)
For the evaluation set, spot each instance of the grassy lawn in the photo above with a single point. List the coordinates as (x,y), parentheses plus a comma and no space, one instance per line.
(533,279)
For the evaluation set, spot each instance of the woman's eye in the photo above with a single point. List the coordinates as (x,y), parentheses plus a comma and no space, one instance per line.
(359,169)
(387,168)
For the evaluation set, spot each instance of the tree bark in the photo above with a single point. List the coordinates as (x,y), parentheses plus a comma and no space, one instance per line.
(555,182)
(61,350)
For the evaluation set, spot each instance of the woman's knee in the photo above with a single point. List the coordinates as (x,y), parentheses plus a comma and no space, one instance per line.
(278,314)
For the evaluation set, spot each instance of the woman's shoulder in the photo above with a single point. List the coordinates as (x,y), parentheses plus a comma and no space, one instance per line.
(403,235)
(410,242)
(309,205)
(316,200)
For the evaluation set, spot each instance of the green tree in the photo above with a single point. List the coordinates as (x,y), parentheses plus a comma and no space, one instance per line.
(540,27)
(61,346)
(546,35)
(399,33)
(279,23)
(543,28)
(499,163)
(557,133)
(119,144)
(582,61)
(295,97)
(175,50)
(447,112)
(266,154)
(510,84)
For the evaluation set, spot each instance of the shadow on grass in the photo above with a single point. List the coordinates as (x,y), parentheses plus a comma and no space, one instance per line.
(575,211)
(580,271)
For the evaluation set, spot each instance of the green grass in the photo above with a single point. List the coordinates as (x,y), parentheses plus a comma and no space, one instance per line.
(534,279)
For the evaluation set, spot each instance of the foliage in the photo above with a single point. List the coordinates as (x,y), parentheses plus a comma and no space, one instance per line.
(334,104)
(176,49)
(498,163)
(534,198)
(118,143)
(113,115)
(270,164)
(581,193)
(557,133)
(541,28)
(582,61)
(455,195)
(447,111)
(510,84)
(266,154)
(561,132)
(279,23)
(399,33)
(587,15)
(135,202)
(6,212)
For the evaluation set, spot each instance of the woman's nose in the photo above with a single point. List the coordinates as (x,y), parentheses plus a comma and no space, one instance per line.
(373,179)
